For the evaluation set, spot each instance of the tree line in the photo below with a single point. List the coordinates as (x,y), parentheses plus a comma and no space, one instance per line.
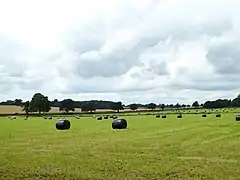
(41,104)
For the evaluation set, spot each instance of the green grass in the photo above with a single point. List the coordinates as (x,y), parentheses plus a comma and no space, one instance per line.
(188,148)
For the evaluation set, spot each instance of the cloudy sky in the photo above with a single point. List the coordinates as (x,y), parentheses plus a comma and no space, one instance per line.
(162,51)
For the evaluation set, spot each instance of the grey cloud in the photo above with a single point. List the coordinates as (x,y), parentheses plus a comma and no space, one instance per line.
(11,55)
(114,64)
(123,60)
(225,58)
(214,83)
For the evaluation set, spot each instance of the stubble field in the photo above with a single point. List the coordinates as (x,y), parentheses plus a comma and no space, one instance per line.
(189,148)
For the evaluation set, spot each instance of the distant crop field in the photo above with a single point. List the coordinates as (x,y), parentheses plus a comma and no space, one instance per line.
(4,109)
(189,148)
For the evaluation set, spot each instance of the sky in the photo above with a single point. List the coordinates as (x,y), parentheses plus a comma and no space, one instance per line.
(134,51)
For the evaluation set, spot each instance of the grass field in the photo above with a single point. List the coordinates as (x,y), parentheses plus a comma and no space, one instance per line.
(189,148)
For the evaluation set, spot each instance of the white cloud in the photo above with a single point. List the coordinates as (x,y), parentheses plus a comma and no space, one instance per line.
(133,51)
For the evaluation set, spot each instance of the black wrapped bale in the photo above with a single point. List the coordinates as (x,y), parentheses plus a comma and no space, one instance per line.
(50,117)
(111,116)
(218,115)
(119,124)
(238,118)
(105,117)
(179,116)
(115,117)
(99,118)
(204,115)
(164,116)
(63,124)
(157,116)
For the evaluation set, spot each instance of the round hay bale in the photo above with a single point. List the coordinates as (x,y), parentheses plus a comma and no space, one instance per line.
(157,116)
(238,118)
(99,118)
(164,116)
(77,117)
(63,124)
(179,116)
(119,124)
(204,115)
(106,117)
(111,116)
(218,115)
(50,117)
(115,117)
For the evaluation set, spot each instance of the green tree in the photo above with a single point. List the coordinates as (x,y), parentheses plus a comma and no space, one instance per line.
(177,106)
(26,107)
(117,106)
(39,103)
(133,107)
(195,104)
(151,106)
(162,106)
(67,105)
(18,102)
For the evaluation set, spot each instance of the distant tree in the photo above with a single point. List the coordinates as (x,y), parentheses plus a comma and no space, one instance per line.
(39,103)
(133,107)
(195,104)
(117,106)
(67,105)
(188,105)
(26,107)
(177,106)
(151,106)
(184,105)
(18,102)
(55,103)
(171,106)
(236,102)
(90,106)
(162,106)
(220,103)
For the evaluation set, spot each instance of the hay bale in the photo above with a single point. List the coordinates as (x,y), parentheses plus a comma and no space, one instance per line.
(119,124)
(77,117)
(218,115)
(238,118)
(157,116)
(164,116)
(49,117)
(179,116)
(111,116)
(99,118)
(204,115)
(106,117)
(63,124)
(115,117)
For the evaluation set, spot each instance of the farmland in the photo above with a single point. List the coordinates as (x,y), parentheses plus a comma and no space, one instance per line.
(189,148)
(8,109)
